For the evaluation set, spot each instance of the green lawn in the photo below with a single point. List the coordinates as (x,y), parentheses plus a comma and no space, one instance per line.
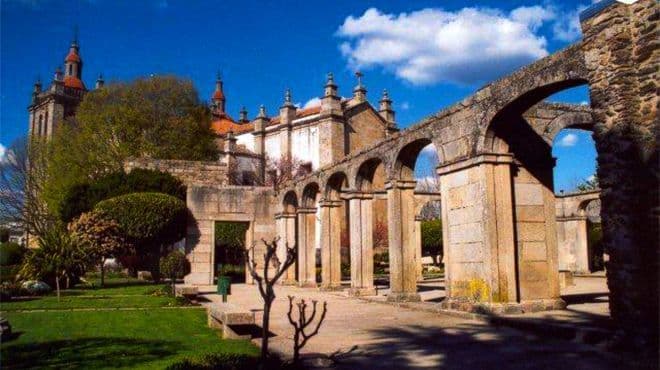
(145,339)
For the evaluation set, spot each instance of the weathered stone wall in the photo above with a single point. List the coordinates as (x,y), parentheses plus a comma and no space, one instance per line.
(208,204)
(622,56)
(364,128)
(189,172)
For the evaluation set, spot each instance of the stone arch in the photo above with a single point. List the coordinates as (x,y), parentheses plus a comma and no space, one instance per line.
(577,120)
(336,183)
(403,167)
(290,202)
(310,195)
(370,175)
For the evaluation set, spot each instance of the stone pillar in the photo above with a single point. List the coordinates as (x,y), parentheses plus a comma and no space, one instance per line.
(477,229)
(361,237)
(199,244)
(418,248)
(330,244)
(572,244)
(286,230)
(307,247)
(621,54)
(401,230)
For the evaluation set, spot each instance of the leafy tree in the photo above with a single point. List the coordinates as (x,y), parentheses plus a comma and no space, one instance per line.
(4,234)
(149,221)
(432,239)
(59,256)
(156,117)
(230,242)
(83,197)
(588,184)
(100,237)
(175,266)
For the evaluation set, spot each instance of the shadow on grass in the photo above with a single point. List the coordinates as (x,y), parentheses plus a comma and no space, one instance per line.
(86,353)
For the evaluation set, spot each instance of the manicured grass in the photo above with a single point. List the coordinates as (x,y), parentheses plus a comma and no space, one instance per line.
(146,339)
(117,292)
(86,301)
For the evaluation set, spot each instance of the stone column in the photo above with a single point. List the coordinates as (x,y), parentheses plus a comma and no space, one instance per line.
(621,54)
(330,244)
(286,230)
(477,228)
(418,248)
(361,237)
(306,247)
(401,225)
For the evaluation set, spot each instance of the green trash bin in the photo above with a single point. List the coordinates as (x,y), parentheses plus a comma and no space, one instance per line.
(224,287)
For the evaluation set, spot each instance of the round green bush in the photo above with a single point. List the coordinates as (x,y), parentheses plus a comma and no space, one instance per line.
(11,253)
(82,198)
(147,218)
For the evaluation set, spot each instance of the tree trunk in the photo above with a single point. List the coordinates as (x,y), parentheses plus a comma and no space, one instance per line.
(102,272)
(57,287)
(264,332)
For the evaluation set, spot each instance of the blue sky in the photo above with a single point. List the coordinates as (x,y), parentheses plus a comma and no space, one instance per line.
(427,54)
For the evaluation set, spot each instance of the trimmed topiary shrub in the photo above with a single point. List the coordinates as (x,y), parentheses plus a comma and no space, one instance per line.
(175,266)
(83,197)
(148,221)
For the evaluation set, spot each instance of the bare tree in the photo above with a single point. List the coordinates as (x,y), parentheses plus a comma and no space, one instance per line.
(23,174)
(302,323)
(265,283)
(277,171)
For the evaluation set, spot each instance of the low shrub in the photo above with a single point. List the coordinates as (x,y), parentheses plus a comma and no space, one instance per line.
(8,290)
(224,361)
(11,253)
(34,287)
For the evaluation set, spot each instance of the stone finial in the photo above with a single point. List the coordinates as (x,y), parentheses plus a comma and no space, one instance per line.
(330,86)
(287,99)
(243,115)
(262,112)
(37,85)
(385,108)
(100,81)
(58,74)
(360,92)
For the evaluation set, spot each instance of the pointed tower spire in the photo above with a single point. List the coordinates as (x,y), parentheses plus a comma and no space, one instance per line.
(262,112)
(73,65)
(287,99)
(218,98)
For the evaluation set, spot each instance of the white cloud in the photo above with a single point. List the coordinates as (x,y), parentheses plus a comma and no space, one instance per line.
(567,26)
(432,45)
(429,150)
(3,150)
(313,102)
(405,105)
(568,140)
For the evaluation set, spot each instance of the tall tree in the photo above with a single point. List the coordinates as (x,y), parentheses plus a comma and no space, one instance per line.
(156,117)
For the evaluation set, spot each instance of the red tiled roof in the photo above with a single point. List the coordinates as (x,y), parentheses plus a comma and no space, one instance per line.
(224,124)
(72,57)
(74,82)
(300,113)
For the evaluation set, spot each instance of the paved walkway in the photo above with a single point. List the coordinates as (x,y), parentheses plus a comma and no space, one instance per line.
(361,334)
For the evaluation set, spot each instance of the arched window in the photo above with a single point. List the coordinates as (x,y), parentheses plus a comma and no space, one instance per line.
(70,69)
(46,124)
(41,122)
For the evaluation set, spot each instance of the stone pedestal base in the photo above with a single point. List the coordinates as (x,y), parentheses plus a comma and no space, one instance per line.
(565,278)
(362,292)
(330,288)
(403,297)
(512,308)
(289,282)
(307,284)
